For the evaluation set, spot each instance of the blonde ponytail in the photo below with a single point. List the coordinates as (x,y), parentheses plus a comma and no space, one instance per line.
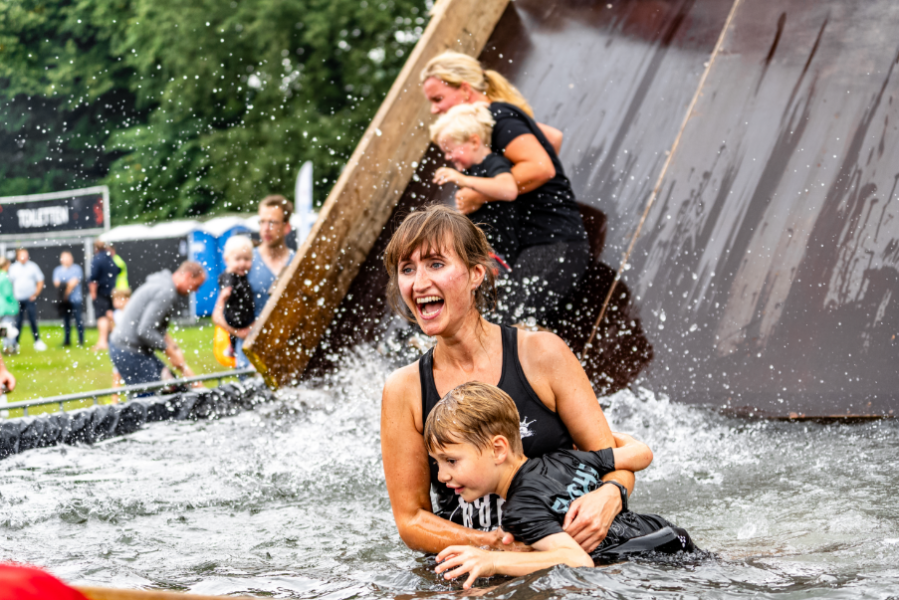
(455,68)
(500,90)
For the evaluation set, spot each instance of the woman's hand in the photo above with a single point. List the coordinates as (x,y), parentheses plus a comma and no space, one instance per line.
(449,175)
(590,516)
(468,201)
(242,333)
(465,559)
(503,540)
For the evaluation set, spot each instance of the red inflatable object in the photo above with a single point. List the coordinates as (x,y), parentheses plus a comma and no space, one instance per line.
(19,582)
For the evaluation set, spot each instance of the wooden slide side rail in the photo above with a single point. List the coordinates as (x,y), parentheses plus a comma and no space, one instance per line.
(313,285)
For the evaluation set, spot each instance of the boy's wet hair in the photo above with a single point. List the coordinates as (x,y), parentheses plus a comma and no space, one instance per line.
(473,413)
(123,293)
(462,122)
(432,229)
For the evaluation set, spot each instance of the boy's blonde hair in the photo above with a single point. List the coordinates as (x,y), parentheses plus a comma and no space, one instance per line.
(463,121)
(236,243)
(455,68)
(473,413)
(123,293)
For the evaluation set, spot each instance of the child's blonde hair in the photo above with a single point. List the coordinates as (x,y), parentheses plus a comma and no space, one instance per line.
(121,293)
(237,243)
(473,413)
(463,121)
(455,68)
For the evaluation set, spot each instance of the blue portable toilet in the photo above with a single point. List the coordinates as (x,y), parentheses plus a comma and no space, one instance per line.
(207,245)
(204,250)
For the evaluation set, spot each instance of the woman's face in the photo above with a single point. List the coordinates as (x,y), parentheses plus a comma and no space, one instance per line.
(438,288)
(443,96)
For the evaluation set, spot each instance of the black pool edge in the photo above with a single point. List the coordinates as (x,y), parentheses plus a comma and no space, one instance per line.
(90,425)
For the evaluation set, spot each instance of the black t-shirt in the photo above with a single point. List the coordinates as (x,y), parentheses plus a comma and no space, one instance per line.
(240,307)
(542,431)
(544,488)
(548,214)
(498,219)
(104,272)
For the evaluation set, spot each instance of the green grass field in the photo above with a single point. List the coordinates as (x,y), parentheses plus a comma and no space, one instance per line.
(75,369)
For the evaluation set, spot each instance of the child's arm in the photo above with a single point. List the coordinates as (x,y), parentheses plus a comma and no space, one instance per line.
(501,187)
(556,549)
(218,313)
(630,454)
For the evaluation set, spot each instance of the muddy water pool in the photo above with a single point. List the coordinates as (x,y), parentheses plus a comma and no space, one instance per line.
(288,501)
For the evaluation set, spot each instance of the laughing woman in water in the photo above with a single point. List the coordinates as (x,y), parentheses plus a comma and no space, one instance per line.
(441,277)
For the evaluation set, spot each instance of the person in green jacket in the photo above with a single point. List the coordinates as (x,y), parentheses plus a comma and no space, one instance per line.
(121,282)
(9,308)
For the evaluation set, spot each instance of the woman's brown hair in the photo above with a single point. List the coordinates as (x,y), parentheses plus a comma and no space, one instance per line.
(432,228)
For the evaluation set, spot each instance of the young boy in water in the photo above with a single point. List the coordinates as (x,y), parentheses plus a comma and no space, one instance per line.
(463,133)
(474,435)
(235,309)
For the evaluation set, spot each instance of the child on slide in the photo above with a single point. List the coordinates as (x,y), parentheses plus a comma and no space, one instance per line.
(474,435)
(463,133)
(235,308)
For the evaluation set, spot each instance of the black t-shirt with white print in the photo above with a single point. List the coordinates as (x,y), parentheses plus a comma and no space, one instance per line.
(497,219)
(543,489)
(542,431)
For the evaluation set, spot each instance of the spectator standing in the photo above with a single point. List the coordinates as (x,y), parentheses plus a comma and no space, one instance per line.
(235,308)
(67,278)
(9,307)
(121,282)
(28,283)
(272,254)
(144,325)
(102,281)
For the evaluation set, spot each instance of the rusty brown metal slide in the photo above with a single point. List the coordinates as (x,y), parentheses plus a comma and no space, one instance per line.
(735,163)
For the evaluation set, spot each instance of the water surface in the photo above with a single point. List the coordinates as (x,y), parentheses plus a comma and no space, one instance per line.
(288,501)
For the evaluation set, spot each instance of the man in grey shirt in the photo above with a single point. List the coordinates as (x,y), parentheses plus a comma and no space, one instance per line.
(28,282)
(144,324)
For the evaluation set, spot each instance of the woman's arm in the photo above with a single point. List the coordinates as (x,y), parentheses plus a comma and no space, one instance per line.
(630,455)
(554,372)
(407,473)
(553,136)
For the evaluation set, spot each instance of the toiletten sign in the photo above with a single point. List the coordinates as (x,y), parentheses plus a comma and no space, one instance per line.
(59,214)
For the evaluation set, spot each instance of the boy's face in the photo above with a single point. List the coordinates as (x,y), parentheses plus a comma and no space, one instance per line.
(119,302)
(471,471)
(462,154)
(239,261)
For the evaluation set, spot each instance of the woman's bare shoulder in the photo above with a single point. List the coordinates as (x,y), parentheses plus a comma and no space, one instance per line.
(542,350)
(403,384)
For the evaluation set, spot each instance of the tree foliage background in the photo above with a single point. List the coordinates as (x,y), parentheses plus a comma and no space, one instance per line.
(191,108)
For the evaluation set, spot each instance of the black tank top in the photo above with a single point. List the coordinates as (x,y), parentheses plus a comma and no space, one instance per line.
(542,431)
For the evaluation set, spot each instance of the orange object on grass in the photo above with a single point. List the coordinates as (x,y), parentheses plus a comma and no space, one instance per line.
(221,348)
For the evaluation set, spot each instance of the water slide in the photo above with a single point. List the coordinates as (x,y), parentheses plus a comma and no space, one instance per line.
(732,162)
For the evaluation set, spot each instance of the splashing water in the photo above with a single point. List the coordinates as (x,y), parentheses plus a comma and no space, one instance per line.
(289,501)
